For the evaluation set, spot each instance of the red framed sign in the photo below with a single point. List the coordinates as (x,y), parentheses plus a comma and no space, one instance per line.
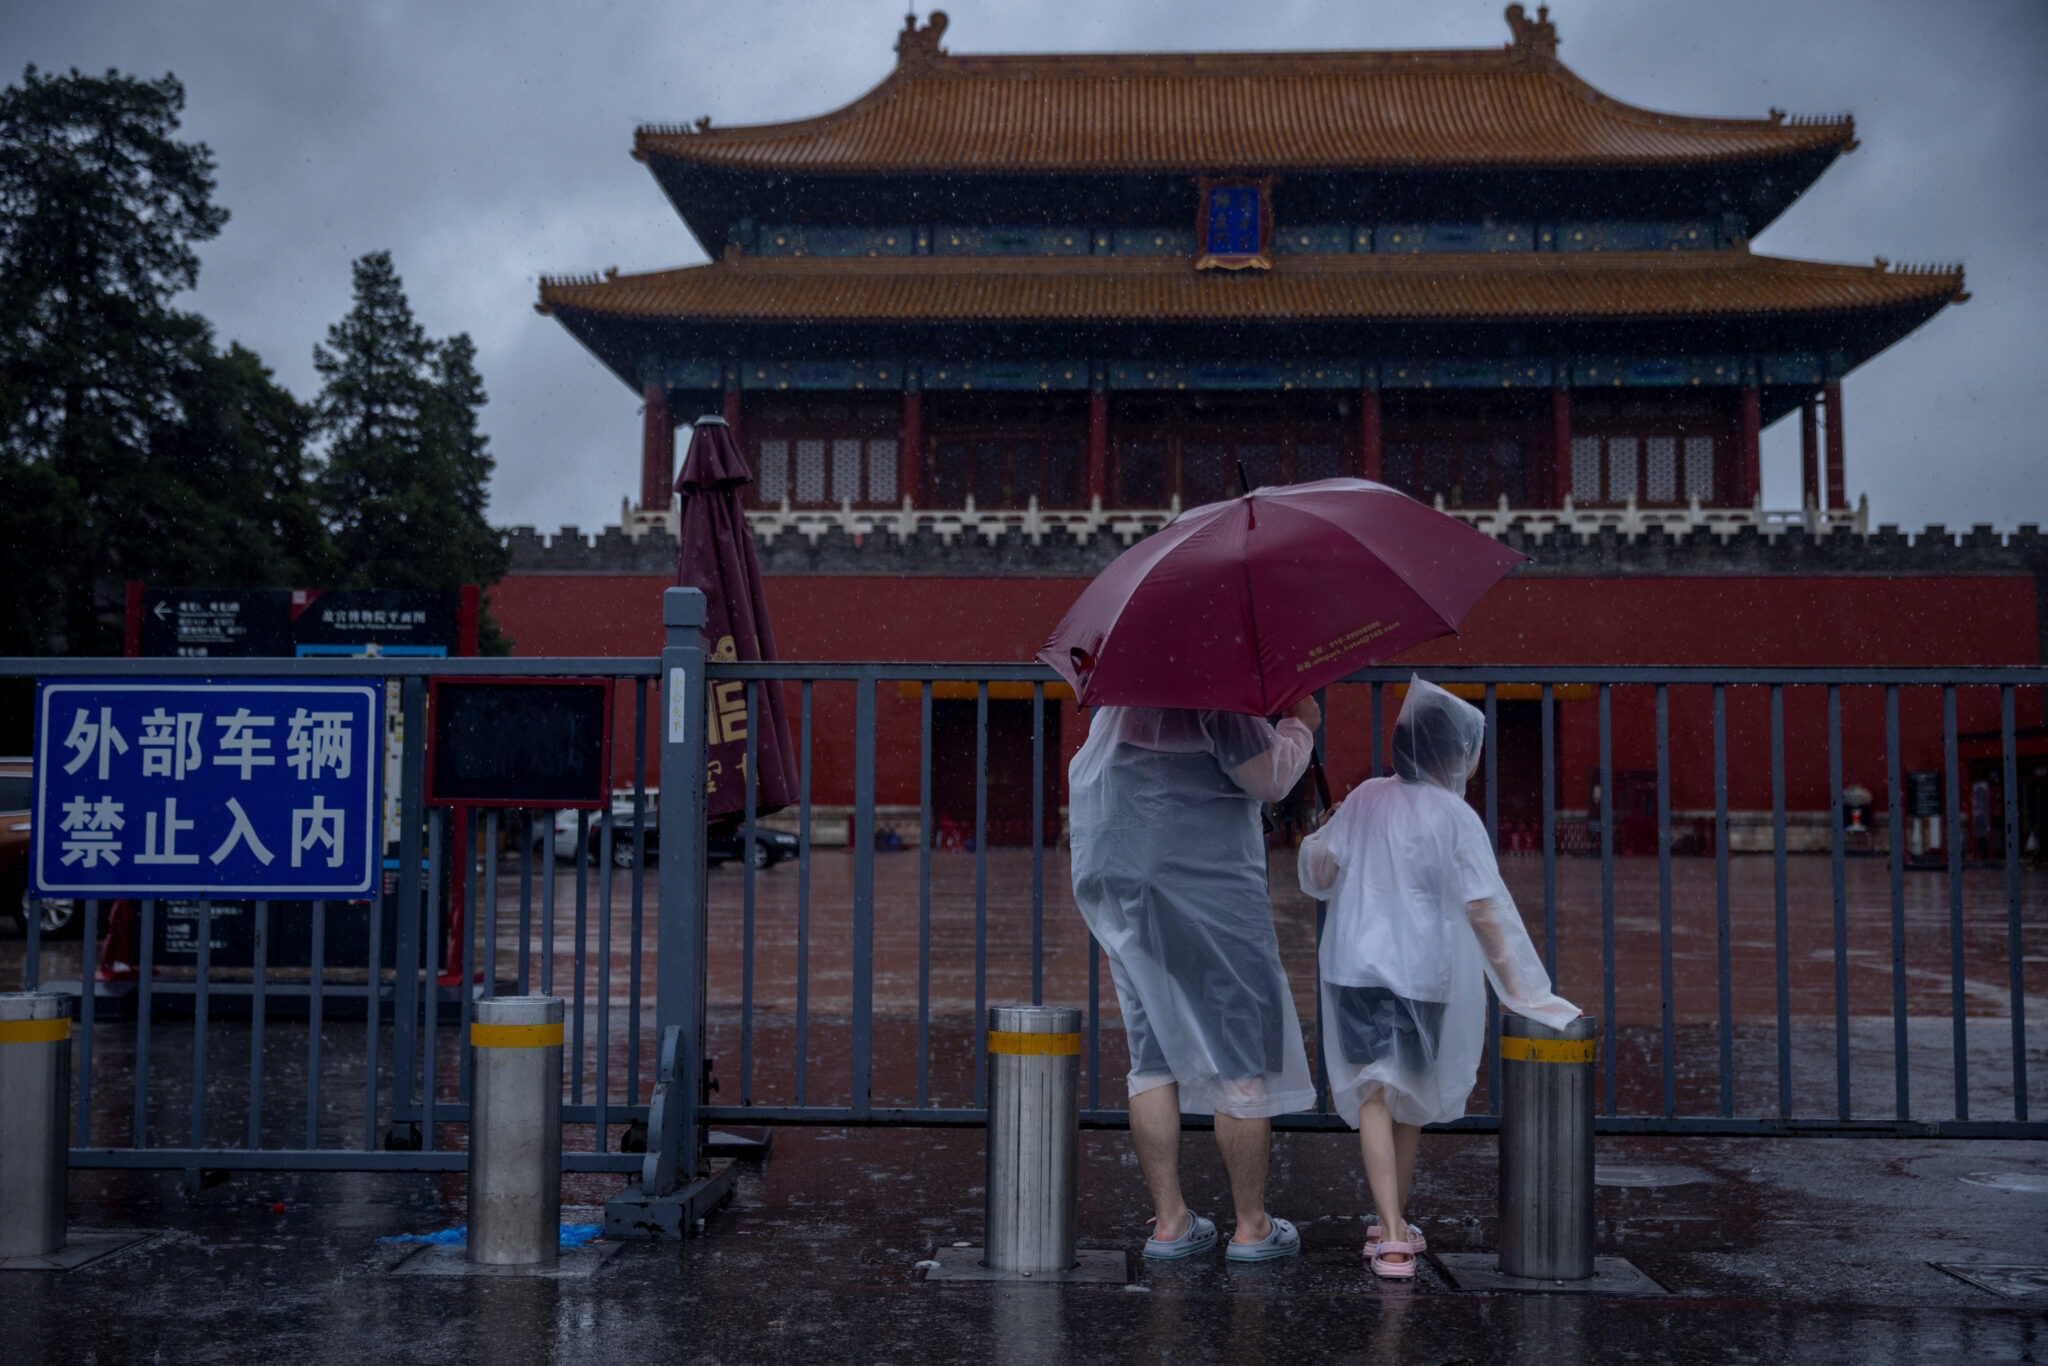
(1234,225)
(538,743)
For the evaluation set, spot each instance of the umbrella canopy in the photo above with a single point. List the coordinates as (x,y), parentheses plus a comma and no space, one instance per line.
(717,555)
(1252,604)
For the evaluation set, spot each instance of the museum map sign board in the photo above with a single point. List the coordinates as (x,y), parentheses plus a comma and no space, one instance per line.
(272,623)
(247,788)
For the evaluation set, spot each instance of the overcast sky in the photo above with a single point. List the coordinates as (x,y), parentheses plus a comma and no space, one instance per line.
(485,142)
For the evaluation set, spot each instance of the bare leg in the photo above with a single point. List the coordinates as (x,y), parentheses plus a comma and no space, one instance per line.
(1406,1137)
(1155,1133)
(1382,1169)
(1247,1147)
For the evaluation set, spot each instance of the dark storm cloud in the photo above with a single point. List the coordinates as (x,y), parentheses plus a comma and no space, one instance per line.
(486,143)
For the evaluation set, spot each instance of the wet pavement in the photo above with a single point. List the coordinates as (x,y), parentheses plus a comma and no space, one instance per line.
(1773,1250)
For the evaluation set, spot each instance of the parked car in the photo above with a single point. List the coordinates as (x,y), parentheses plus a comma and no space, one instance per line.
(770,846)
(61,917)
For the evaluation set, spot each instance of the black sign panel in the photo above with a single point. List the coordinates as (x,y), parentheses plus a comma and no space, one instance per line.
(531,742)
(216,623)
(427,618)
(1924,792)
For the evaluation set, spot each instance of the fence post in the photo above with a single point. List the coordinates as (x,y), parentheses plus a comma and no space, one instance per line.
(1034,1071)
(1546,1149)
(35,1085)
(515,1138)
(677,1186)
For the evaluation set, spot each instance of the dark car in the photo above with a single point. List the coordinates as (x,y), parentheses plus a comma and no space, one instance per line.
(62,917)
(770,846)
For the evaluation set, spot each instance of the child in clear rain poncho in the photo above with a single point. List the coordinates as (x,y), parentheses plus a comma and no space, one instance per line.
(1419,922)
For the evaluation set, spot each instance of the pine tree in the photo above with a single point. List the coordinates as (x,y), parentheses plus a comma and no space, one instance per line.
(406,479)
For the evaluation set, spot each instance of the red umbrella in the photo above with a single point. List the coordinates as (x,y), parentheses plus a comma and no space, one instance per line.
(717,555)
(1252,604)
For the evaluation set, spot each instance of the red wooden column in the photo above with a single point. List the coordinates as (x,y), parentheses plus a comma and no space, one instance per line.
(1098,445)
(1752,474)
(1809,456)
(1838,476)
(1371,436)
(657,451)
(910,453)
(1560,444)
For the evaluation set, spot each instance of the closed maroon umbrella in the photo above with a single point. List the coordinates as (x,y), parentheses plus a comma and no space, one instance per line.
(718,556)
(1252,604)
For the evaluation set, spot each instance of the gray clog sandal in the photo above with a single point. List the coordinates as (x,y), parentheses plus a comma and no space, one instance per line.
(1282,1241)
(1199,1236)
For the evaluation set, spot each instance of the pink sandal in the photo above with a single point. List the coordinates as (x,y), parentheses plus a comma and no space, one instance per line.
(1395,1271)
(1373,1231)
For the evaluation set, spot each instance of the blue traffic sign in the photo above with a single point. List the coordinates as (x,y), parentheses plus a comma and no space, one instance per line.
(245,788)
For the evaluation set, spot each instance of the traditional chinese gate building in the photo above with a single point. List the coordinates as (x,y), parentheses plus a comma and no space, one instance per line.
(994,320)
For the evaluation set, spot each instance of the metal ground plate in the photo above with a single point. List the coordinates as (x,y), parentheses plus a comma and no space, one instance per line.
(441,1259)
(964,1264)
(82,1247)
(1481,1271)
(2007,1280)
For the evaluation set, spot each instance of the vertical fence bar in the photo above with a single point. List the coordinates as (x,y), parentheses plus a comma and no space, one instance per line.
(1378,729)
(607,836)
(1549,705)
(469,831)
(803,902)
(864,895)
(2009,794)
(437,824)
(639,889)
(1895,829)
(1836,838)
(257,1005)
(681,979)
(32,953)
(1723,979)
(1780,901)
(1667,1018)
(1038,844)
(924,893)
(1490,748)
(577,958)
(1956,848)
(144,1016)
(201,1008)
(1611,1079)
(87,989)
(747,899)
(546,947)
(1322,749)
(1094,1023)
(980,886)
(600,1131)
(373,1016)
(412,819)
(316,1011)
(523,960)
(490,953)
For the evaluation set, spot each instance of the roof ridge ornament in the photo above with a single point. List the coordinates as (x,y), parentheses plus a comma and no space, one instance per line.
(1536,35)
(917,49)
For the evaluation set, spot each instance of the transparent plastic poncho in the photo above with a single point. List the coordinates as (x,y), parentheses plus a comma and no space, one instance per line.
(1169,865)
(1419,922)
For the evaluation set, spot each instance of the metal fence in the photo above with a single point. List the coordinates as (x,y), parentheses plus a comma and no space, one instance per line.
(777,971)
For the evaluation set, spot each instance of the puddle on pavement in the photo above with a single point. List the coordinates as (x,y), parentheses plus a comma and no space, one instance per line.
(1604,1175)
(2026,1183)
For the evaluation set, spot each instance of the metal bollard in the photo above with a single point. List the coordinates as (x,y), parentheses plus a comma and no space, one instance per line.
(515,1131)
(35,1091)
(1034,1123)
(1546,1149)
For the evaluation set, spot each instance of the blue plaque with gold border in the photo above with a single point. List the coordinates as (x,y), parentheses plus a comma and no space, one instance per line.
(1234,226)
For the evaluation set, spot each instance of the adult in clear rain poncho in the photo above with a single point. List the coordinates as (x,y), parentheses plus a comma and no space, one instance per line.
(1419,921)
(1169,865)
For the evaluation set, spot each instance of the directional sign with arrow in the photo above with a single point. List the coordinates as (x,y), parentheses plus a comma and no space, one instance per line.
(216,623)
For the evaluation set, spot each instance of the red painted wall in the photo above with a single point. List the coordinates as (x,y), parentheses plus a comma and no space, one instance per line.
(1954,621)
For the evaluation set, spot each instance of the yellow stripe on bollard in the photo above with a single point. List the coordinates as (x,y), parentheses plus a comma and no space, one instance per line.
(1545,1050)
(1034,1045)
(34,1031)
(515,1036)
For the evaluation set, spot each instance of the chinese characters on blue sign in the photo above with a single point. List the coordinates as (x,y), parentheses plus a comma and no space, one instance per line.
(237,789)
(1233,221)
